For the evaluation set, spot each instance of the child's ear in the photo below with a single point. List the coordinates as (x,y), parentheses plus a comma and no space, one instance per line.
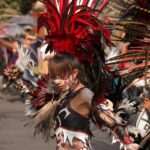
(75,73)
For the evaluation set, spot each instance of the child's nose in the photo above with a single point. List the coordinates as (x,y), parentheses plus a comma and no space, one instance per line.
(56,81)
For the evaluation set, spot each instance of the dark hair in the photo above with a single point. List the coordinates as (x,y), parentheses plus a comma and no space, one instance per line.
(64,63)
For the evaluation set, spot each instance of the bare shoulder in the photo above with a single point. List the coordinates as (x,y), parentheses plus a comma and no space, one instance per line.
(86,95)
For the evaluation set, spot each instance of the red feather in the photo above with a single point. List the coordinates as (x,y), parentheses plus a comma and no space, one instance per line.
(72,26)
(53,12)
(43,93)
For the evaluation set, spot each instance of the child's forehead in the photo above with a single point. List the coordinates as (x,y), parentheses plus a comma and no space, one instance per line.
(59,73)
(59,69)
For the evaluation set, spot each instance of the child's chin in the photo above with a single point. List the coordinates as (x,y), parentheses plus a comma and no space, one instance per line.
(64,89)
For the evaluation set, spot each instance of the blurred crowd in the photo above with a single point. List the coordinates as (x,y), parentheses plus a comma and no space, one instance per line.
(21,31)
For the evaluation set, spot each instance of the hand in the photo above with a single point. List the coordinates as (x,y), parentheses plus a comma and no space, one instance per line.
(132,146)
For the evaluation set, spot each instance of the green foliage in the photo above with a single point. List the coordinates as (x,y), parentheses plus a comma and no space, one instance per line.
(14,4)
(8,9)
(11,8)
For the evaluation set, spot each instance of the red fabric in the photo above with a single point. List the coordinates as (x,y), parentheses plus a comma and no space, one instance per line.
(127,139)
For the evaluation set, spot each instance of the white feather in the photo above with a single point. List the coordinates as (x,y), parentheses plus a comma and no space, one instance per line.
(24,60)
(127,105)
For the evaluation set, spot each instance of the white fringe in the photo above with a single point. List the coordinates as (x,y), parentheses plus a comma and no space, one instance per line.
(70,135)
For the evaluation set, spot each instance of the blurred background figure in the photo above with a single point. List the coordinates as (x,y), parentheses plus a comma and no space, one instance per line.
(12,53)
(2,67)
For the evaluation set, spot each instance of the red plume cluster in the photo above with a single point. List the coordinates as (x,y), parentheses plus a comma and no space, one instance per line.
(73,27)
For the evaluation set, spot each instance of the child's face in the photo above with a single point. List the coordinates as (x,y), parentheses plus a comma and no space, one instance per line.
(65,83)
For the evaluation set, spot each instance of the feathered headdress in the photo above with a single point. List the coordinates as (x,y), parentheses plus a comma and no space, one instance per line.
(73,27)
(134,24)
(133,28)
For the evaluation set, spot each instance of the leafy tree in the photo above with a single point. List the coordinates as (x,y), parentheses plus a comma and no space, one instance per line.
(11,8)
(8,9)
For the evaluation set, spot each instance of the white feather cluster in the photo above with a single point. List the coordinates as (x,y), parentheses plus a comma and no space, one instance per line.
(126,108)
(128,105)
(24,60)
